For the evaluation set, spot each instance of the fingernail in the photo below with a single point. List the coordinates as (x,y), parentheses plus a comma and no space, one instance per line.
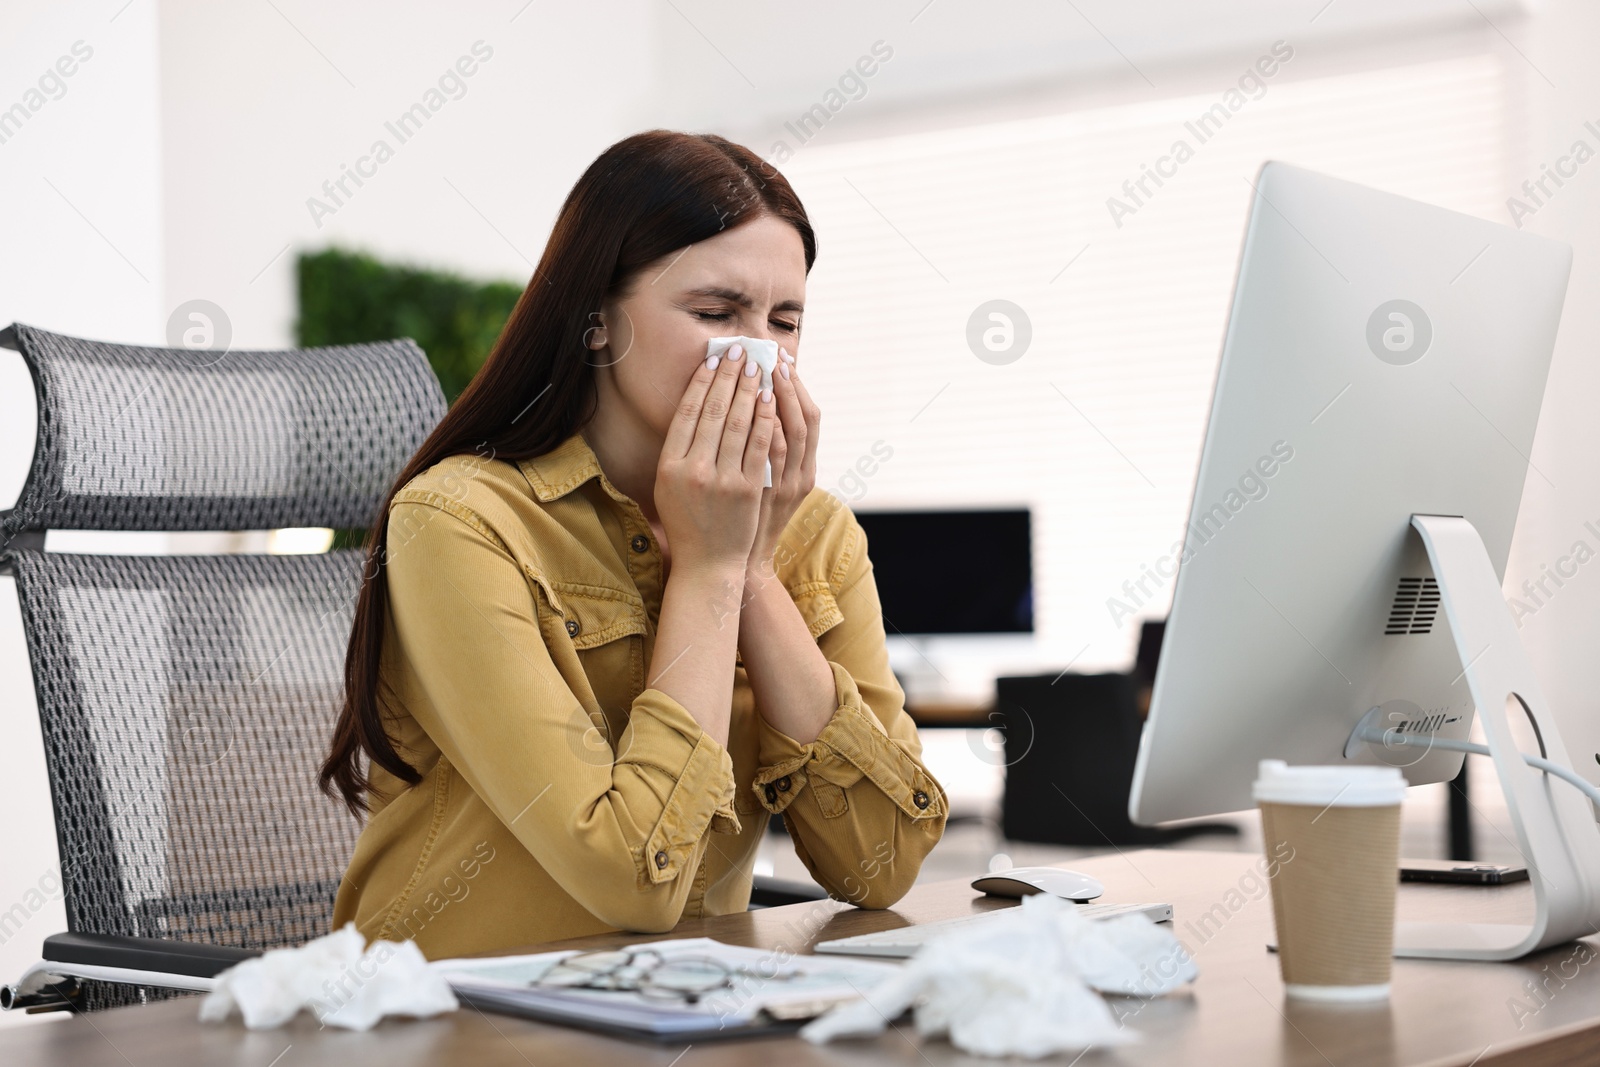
(783,369)
(766,396)
(712,361)
(751,369)
(735,351)
(787,358)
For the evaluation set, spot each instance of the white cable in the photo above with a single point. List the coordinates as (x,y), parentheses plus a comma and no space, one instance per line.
(1539,763)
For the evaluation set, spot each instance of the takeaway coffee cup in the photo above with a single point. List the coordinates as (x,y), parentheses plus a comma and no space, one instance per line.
(1335,834)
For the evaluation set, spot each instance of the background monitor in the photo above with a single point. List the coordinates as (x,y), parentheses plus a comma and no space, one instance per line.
(952,572)
(1383,358)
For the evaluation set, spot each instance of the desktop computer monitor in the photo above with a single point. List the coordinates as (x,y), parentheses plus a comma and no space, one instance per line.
(1383,358)
(1380,382)
(949,633)
(916,556)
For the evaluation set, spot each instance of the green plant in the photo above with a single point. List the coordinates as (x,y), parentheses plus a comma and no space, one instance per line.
(349,297)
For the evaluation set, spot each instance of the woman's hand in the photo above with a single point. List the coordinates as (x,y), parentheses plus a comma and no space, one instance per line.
(708,480)
(794,463)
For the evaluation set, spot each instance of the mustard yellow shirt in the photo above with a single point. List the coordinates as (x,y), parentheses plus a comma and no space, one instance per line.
(560,796)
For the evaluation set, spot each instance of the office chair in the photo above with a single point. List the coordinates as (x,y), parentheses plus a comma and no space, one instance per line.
(1070,743)
(186,701)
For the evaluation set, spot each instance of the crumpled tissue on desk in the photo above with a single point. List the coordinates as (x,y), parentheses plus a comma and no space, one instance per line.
(1022,985)
(343,982)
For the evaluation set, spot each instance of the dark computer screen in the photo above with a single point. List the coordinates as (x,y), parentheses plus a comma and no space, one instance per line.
(952,572)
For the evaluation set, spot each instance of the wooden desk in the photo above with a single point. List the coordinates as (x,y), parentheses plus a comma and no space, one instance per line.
(956,714)
(1440,1014)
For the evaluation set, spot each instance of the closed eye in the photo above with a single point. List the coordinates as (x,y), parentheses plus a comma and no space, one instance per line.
(719,316)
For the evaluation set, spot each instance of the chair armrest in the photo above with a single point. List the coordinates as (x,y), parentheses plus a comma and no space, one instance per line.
(143,954)
(772,892)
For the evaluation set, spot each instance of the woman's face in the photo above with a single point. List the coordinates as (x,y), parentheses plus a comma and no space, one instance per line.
(749,280)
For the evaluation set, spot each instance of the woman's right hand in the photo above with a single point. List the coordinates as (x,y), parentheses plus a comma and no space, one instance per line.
(708,480)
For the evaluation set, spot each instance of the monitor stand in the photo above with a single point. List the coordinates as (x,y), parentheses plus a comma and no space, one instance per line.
(914,667)
(1555,823)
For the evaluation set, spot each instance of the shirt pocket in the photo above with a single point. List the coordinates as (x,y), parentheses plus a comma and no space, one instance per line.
(596,615)
(605,626)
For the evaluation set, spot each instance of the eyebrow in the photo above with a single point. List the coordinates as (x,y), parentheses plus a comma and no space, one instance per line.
(741,299)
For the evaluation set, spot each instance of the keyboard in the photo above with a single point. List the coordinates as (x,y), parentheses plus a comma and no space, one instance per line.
(904,942)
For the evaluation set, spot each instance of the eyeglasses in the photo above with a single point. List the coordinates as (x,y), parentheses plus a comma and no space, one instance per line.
(648,973)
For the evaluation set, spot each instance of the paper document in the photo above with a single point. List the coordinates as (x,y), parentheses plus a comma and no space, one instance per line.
(753,987)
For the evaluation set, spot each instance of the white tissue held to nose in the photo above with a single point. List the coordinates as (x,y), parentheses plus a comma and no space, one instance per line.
(338,977)
(764,354)
(762,351)
(1024,985)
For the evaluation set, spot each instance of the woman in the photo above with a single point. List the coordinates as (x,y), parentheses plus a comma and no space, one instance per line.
(592,653)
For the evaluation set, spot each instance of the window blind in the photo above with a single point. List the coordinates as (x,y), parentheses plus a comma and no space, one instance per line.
(1097,426)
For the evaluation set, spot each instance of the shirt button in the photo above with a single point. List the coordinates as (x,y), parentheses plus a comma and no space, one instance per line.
(640,543)
(782,784)
(772,794)
(920,799)
(661,859)
(572,627)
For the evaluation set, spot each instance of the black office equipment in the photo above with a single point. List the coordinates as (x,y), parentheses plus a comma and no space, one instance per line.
(952,572)
(1456,872)
(1070,742)
(1148,656)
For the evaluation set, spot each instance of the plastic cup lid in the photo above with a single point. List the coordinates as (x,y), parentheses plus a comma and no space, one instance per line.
(1352,786)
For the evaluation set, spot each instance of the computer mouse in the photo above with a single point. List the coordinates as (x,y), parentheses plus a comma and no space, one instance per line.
(1024,881)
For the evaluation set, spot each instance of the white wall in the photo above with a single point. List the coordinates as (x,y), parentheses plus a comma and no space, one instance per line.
(83,253)
(1563,634)
(80,182)
(745,68)
(253,133)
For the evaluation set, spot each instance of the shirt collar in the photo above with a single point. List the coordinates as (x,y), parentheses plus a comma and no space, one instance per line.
(563,469)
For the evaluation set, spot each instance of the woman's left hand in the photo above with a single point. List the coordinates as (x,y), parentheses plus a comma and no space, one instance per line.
(794,463)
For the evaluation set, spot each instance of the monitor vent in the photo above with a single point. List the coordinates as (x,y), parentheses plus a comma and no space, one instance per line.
(1416,602)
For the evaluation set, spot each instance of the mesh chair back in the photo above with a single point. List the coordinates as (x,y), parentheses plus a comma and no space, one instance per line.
(134,438)
(186,701)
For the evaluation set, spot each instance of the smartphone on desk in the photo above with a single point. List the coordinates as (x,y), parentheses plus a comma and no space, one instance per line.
(1461,872)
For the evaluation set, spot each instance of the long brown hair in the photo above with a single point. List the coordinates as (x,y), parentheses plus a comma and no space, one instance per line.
(645,197)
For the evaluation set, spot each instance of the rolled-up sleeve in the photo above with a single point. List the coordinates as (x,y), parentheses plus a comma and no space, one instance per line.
(617,832)
(860,806)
